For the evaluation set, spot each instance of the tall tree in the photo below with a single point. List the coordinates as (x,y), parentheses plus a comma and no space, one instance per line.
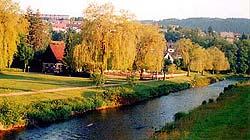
(219,60)
(108,37)
(25,52)
(38,31)
(210,30)
(71,39)
(150,49)
(11,25)
(199,59)
(243,57)
(185,47)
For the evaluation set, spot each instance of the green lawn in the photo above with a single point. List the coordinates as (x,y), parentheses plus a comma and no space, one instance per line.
(226,119)
(18,82)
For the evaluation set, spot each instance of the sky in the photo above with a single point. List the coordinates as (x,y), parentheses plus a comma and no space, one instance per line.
(149,9)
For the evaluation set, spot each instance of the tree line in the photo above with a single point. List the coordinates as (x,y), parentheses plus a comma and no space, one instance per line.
(237,52)
(113,40)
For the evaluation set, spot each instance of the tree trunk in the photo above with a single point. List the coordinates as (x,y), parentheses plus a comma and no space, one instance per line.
(25,66)
(188,74)
(202,73)
(164,77)
(141,76)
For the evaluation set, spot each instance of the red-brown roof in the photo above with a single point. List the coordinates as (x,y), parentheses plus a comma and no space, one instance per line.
(57,47)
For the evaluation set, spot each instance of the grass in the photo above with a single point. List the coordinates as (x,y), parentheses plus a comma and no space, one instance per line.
(12,81)
(229,118)
(55,106)
(21,82)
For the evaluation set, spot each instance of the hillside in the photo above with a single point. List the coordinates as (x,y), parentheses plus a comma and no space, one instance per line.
(238,25)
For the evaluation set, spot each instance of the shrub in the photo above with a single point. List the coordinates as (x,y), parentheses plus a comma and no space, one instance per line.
(169,127)
(210,100)
(11,114)
(49,111)
(179,115)
(97,78)
(204,102)
(131,80)
(115,94)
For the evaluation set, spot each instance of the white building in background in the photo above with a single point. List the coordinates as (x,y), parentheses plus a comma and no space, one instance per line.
(62,22)
(171,53)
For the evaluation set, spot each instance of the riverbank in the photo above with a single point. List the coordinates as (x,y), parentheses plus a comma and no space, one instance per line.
(225,118)
(50,111)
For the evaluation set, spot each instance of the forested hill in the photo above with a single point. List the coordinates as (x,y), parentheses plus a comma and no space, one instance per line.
(238,25)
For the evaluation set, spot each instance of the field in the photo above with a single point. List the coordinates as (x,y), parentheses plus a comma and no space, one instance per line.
(18,82)
(226,119)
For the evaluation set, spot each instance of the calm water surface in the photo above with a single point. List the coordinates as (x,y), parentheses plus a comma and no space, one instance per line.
(128,123)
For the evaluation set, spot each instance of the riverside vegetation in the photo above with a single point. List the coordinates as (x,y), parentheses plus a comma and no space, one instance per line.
(19,111)
(225,118)
(44,112)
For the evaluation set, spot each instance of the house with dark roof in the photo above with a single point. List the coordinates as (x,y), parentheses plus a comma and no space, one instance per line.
(53,57)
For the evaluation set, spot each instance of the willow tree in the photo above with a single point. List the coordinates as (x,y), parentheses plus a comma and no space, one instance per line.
(150,49)
(219,60)
(186,47)
(200,60)
(11,25)
(109,38)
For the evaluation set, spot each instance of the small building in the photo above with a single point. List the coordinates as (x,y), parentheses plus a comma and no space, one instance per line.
(53,57)
(230,36)
(171,52)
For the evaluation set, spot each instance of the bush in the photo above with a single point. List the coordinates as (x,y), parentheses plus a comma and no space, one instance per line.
(11,114)
(179,115)
(131,80)
(210,100)
(97,78)
(115,94)
(49,111)
(203,81)
(204,102)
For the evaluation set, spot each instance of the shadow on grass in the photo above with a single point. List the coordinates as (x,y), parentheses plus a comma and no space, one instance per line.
(40,80)
(13,89)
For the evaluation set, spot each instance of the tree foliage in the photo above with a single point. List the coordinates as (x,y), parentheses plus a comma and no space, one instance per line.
(38,31)
(218,58)
(71,39)
(186,47)
(150,48)
(25,53)
(114,40)
(242,56)
(11,25)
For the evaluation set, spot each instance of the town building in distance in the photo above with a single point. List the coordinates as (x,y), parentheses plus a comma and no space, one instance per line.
(60,23)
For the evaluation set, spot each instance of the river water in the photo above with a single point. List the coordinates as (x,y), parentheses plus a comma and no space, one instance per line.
(127,123)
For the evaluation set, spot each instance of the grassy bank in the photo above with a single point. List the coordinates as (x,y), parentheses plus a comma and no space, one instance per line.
(48,111)
(52,107)
(227,118)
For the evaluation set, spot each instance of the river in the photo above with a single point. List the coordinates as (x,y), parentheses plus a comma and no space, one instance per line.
(126,123)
